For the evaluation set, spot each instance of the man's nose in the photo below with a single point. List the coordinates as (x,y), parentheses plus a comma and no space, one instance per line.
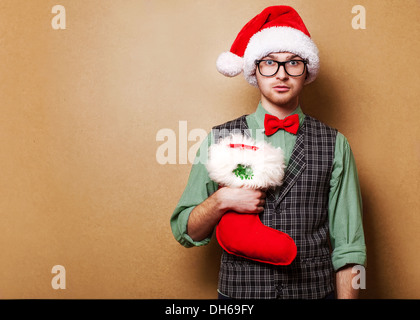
(281,74)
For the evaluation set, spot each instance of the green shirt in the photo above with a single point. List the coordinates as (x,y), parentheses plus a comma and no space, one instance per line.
(345,202)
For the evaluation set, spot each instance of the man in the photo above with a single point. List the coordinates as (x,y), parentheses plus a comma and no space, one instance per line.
(319,203)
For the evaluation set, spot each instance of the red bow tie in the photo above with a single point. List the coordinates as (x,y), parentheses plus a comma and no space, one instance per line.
(289,124)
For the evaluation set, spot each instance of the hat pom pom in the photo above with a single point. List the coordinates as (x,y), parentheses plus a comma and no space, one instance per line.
(229,64)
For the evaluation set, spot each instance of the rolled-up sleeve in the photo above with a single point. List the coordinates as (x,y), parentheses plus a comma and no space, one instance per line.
(199,188)
(345,209)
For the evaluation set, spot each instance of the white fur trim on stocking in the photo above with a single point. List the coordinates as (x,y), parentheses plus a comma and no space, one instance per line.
(267,163)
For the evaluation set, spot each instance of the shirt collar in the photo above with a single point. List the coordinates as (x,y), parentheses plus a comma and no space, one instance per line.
(260,113)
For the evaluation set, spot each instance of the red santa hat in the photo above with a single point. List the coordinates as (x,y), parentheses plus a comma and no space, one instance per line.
(275,29)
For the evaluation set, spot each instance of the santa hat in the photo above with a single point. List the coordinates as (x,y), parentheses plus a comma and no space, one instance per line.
(275,29)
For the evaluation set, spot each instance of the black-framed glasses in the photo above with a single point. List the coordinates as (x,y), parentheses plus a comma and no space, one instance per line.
(269,68)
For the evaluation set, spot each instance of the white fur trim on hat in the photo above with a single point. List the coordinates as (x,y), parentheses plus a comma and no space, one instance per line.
(229,64)
(280,39)
(266,163)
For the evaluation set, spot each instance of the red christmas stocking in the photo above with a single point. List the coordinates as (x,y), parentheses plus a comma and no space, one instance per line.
(244,235)
(239,161)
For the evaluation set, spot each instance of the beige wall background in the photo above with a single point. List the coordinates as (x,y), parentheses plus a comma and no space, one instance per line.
(80,184)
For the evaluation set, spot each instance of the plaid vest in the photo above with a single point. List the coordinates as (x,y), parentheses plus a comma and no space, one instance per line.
(301,211)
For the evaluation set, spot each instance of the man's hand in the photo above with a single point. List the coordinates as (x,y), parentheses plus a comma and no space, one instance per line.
(242,200)
(344,278)
(205,216)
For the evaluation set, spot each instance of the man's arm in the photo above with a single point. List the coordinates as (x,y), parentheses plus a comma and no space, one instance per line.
(344,277)
(345,217)
(204,217)
(202,204)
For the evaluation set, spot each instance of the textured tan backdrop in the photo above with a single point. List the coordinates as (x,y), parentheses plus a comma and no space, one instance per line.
(80,184)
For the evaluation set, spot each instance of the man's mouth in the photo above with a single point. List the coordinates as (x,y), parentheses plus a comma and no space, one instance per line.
(281,88)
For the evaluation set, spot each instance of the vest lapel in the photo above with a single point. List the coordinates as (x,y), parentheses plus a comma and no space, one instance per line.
(296,166)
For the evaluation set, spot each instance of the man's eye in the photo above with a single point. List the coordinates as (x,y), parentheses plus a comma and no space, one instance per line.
(294,63)
(269,62)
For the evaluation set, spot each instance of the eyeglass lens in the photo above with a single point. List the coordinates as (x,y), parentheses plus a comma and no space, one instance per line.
(270,67)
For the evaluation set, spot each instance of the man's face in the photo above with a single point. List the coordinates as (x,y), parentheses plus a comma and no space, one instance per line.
(281,89)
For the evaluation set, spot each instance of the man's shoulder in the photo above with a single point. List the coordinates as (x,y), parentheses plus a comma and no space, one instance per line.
(340,138)
(318,124)
(237,123)
(235,126)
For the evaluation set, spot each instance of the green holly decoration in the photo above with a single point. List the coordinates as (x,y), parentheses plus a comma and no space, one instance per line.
(243,172)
